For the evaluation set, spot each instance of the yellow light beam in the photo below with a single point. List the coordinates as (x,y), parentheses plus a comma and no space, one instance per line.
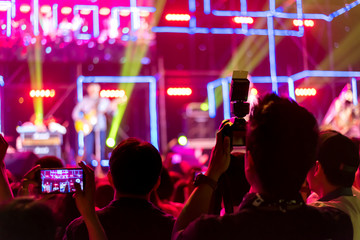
(134,52)
(35,68)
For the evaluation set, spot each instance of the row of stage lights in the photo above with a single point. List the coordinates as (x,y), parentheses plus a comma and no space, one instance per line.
(46,9)
(183,91)
(50,93)
(240,20)
(305,92)
(43,93)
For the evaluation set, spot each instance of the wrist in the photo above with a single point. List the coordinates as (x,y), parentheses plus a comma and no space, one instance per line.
(214,176)
(205,180)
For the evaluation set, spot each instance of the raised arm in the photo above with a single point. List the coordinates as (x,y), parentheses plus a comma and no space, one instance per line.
(86,205)
(199,201)
(5,190)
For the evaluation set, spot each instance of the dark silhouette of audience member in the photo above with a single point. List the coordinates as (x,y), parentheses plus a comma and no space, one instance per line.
(333,175)
(104,194)
(281,146)
(232,186)
(49,162)
(135,168)
(25,218)
(161,197)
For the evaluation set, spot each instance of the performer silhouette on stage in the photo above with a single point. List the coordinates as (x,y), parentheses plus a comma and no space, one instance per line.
(90,118)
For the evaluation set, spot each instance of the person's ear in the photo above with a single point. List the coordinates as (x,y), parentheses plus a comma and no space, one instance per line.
(250,171)
(111,181)
(249,162)
(317,168)
(157,184)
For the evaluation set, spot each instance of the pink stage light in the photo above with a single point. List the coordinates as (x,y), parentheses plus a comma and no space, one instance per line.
(104,11)
(309,23)
(124,13)
(85,11)
(25,8)
(113,93)
(179,91)
(305,92)
(178,17)
(248,20)
(3,8)
(144,14)
(45,9)
(66,10)
(306,23)
(42,93)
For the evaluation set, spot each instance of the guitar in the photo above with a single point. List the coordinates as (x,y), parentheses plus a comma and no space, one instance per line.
(89,120)
(87,123)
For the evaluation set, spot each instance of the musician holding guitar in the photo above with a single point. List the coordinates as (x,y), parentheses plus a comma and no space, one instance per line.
(90,118)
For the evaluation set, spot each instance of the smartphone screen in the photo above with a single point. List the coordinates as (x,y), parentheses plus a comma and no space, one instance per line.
(61,180)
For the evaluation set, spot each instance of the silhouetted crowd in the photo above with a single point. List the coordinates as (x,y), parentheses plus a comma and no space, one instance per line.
(292,182)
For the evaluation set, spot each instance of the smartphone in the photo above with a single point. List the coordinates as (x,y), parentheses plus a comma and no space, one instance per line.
(61,180)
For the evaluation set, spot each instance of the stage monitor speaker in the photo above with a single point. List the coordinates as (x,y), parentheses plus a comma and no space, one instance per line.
(197,122)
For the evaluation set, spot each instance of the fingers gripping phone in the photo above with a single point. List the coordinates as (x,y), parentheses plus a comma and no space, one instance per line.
(61,180)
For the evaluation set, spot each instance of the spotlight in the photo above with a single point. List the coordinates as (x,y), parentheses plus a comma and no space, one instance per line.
(25,8)
(305,92)
(204,107)
(104,163)
(94,163)
(66,10)
(104,11)
(45,9)
(306,23)
(254,91)
(182,140)
(179,91)
(124,13)
(110,142)
(85,11)
(178,17)
(248,20)
(42,93)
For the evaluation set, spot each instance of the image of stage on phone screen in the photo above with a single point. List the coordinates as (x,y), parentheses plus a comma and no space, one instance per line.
(61,180)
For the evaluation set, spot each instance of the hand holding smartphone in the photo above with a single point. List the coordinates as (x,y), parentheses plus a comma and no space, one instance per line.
(61,180)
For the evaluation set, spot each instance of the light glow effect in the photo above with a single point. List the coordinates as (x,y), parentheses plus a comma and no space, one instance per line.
(124,13)
(104,163)
(306,23)
(45,9)
(66,10)
(204,107)
(254,91)
(42,93)
(305,92)
(4,8)
(94,163)
(104,11)
(110,142)
(25,8)
(247,20)
(179,91)
(85,11)
(182,140)
(112,93)
(95,10)
(144,14)
(178,17)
